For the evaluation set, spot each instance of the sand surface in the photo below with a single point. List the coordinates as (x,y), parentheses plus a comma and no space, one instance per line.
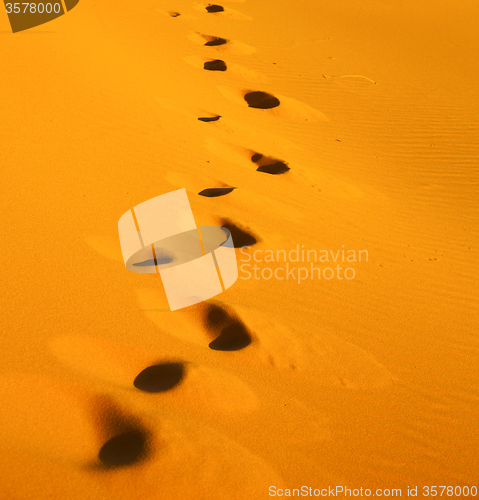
(369,382)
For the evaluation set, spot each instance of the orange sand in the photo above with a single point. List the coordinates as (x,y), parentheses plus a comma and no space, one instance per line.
(371,382)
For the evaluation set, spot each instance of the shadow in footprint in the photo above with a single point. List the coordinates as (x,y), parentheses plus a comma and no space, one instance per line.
(216,41)
(232,334)
(214,8)
(274,168)
(241,237)
(153,262)
(222,44)
(126,441)
(124,449)
(209,118)
(261,100)
(160,378)
(216,65)
(214,192)
(269,165)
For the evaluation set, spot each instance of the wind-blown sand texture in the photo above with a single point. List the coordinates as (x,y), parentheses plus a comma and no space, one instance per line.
(329,124)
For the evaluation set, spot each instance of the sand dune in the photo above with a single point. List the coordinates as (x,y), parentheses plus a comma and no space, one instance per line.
(332,128)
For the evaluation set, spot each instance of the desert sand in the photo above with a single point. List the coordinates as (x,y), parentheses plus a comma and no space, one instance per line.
(361,134)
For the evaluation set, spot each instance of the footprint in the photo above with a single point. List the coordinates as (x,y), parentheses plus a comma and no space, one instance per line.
(220,65)
(274,168)
(193,182)
(222,329)
(214,8)
(157,261)
(269,165)
(214,118)
(222,44)
(214,41)
(220,11)
(215,65)
(261,100)
(160,378)
(124,449)
(214,192)
(275,104)
(125,440)
(242,237)
(231,333)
